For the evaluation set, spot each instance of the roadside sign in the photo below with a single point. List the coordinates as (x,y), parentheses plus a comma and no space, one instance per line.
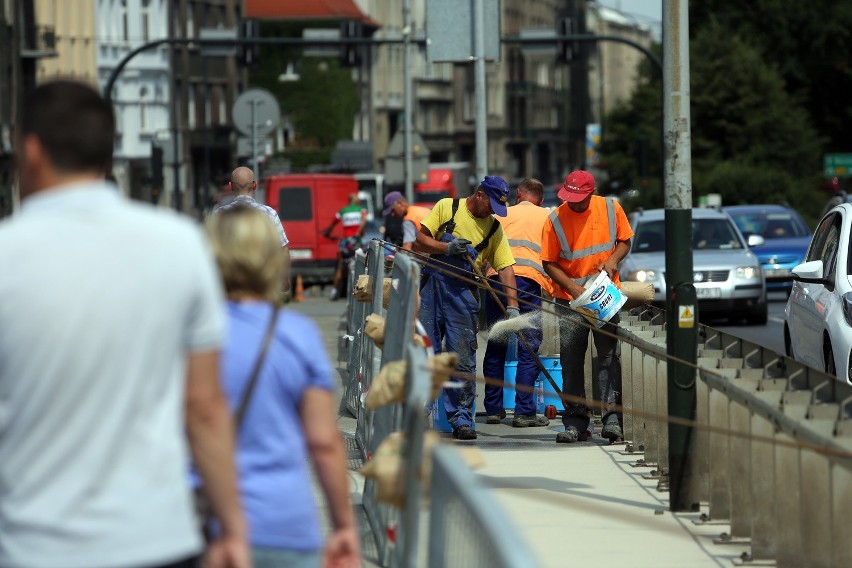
(686,316)
(839,165)
(264,145)
(223,50)
(395,159)
(259,106)
(449,30)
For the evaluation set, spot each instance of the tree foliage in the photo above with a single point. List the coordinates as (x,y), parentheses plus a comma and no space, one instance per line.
(761,110)
(322,104)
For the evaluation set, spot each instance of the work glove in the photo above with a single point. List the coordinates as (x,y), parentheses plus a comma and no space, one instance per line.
(459,247)
(513,312)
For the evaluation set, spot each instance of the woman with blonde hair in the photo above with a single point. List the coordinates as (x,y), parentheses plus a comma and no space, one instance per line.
(289,415)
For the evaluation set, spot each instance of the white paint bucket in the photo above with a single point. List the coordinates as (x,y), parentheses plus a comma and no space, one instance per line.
(601,300)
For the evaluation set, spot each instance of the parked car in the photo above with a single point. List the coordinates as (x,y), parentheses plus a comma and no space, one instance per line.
(818,315)
(786,238)
(726,273)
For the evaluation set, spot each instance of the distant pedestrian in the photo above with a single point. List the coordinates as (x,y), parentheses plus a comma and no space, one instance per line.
(244,185)
(112,317)
(411,215)
(353,219)
(583,236)
(290,414)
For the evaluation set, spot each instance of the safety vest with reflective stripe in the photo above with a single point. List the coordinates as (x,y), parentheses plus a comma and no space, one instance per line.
(416,214)
(595,248)
(522,225)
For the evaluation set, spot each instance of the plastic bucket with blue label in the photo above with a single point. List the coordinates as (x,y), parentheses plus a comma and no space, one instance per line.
(601,300)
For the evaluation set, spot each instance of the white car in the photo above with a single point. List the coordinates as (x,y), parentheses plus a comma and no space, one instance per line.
(818,316)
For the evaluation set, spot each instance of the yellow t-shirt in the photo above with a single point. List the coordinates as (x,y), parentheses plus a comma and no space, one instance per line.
(497,253)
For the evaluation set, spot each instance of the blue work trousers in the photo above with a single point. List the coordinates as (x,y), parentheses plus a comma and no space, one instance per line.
(449,311)
(574,341)
(495,352)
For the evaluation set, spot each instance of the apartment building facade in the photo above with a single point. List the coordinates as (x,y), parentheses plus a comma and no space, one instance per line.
(24,43)
(206,88)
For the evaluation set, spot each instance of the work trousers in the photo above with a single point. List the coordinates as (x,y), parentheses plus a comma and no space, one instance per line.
(449,311)
(495,352)
(574,341)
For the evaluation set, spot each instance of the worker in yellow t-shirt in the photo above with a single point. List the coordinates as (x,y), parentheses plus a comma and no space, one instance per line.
(455,230)
(583,236)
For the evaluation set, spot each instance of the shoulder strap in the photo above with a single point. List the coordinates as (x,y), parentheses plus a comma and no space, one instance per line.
(255,373)
(451,224)
(495,224)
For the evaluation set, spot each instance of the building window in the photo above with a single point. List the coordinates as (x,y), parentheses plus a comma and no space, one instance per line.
(190,107)
(144,110)
(208,106)
(146,20)
(190,19)
(124,21)
(223,108)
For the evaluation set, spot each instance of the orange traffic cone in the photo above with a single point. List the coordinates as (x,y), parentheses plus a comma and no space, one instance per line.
(300,290)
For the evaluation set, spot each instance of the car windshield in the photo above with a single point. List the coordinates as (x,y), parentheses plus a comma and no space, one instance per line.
(707,234)
(774,225)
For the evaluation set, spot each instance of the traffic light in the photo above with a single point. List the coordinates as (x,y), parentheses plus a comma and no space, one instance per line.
(350,54)
(567,50)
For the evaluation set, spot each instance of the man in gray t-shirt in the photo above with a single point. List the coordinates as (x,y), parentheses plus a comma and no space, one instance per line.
(244,185)
(112,318)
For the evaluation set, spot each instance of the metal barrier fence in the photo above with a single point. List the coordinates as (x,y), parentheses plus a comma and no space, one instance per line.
(773,441)
(466,526)
(459,504)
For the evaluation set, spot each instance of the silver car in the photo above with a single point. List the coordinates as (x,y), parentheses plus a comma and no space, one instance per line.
(728,279)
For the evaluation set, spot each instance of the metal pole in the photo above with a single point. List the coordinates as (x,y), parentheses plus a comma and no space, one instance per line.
(680,302)
(479,89)
(205,188)
(254,138)
(407,94)
(175,103)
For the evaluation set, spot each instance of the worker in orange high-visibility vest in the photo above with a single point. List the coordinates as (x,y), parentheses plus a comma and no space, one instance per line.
(523,226)
(412,215)
(583,236)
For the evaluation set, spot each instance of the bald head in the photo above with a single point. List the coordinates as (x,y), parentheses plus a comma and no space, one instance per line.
(242,180)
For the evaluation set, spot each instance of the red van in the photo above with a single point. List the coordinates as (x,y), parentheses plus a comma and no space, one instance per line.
(306,204)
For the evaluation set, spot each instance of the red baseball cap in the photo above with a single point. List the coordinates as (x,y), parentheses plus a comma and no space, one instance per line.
(578,185)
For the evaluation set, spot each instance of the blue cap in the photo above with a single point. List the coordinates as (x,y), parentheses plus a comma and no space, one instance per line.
(497,190)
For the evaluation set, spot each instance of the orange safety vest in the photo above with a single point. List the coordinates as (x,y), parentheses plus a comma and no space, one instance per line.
(522,226)
(579,243)
(416,214)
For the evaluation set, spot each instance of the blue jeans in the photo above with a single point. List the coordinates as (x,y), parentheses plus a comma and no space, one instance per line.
(574,341)
(449,312)
(495,352)
(285,558)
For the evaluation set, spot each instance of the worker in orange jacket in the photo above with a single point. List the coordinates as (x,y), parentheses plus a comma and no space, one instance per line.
(583,236)
(412,215)
(522,225)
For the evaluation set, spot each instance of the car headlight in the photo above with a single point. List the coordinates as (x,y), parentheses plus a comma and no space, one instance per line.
(847,307)
(642,276)
(748,272)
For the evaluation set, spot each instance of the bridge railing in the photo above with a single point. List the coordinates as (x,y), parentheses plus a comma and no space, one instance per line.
(773,441)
